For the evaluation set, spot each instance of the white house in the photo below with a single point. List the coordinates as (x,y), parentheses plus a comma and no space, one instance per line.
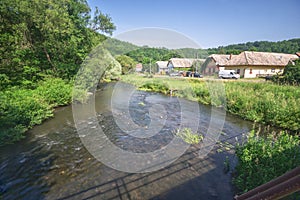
(251,64)
(162,66)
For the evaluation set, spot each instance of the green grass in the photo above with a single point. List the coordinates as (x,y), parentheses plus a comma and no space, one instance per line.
(263,102)
(262,159)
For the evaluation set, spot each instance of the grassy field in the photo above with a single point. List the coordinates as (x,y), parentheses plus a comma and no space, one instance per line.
(258,101)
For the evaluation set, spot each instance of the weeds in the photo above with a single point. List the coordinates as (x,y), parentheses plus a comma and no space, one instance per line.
(262,159)
(188,136)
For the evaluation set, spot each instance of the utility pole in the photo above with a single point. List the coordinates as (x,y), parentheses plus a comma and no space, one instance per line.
(150,65)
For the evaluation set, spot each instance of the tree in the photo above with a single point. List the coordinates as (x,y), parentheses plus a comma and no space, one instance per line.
(127,63)
(102,22)
(291,74)
(40,38)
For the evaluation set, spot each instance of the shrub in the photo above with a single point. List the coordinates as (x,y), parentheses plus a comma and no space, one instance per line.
(55,91)
(262,159)
(21,109)
(291,74)
(155,87)
(188,136)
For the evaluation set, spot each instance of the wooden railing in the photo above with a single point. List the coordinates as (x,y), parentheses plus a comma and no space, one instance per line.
(277,188)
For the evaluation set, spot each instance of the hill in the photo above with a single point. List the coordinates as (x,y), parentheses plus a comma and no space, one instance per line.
(286,46)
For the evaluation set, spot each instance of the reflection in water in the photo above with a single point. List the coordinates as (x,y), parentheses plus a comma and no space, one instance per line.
(52,163)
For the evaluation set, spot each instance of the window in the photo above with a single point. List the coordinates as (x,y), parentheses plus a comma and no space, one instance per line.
(273,70)
(238,71)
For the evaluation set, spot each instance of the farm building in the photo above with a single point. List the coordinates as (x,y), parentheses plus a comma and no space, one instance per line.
(139,67)
(214,63)
(162,66)
(250,64)
(183,64)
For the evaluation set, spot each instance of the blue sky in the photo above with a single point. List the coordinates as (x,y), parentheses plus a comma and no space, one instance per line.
(210,23)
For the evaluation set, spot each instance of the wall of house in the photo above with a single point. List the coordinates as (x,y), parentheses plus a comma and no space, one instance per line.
(209,68)
(256,71)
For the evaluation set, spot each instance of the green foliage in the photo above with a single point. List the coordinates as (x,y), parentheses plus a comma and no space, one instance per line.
(55,91)
(155,86)
(147,56)
(262,159)
(291,74)
(187,135)
(118,47)
(40,38)
(286,46)
(192,53)
(265,103)
(127,63)
(21,109)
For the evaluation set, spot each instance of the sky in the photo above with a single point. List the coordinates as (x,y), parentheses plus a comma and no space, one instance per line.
(208,23)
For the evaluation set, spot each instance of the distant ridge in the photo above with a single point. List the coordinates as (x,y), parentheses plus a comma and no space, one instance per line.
(286,46)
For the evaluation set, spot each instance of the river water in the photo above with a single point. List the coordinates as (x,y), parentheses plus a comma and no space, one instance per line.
(53,163)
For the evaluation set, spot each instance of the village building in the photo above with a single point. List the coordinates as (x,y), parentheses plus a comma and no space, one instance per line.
(162,67)
(139,67)
(249,64)
(214,63)
(184,64)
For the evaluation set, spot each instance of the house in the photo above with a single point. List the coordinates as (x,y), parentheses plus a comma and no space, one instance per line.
(214,63)
(162,66)
(139,67)
(183,64)
(251,64)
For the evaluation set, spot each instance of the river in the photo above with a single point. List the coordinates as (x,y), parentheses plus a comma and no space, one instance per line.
(52,162)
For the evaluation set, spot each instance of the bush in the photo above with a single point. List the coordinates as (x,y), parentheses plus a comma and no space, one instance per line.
(55,91)
(291,74)
(262,159)
(21,109)
(155,87)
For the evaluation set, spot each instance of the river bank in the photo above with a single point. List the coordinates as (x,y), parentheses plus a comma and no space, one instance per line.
(23,108)
(52,162)
(262,102)
(63,160)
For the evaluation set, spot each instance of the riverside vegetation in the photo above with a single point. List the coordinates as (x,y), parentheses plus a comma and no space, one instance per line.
(44,43)
(42,46)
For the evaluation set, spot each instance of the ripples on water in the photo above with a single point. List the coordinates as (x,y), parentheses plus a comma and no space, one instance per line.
(52,163)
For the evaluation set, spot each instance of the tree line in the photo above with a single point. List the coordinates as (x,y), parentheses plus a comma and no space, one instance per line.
(47,38)
(147,55)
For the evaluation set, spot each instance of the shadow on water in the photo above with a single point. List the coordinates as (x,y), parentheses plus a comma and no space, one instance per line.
(52,163)
(23,170)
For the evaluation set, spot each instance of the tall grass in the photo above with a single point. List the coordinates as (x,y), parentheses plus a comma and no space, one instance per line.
(262,159)
(262,102)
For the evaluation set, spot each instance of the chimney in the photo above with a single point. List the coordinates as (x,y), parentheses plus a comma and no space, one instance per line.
(230,56)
